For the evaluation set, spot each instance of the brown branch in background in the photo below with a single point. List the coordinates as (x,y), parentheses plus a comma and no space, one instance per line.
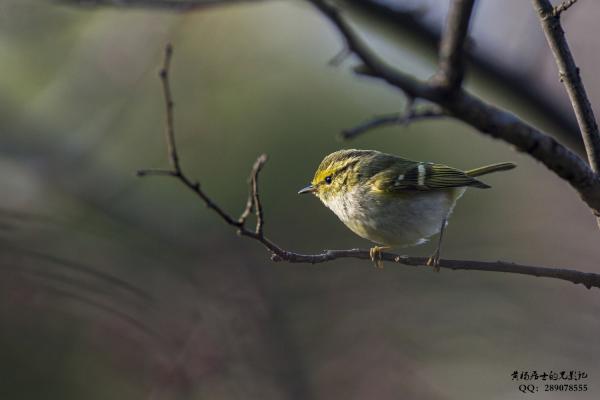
(378,121)
(488,119)
(411,87)
(175,5)
(589,280)
(249,204)
(253,202)
(170,124)
(564,6)
(451,69)
(260,221)
(339,57)
(410,23)
(571,79)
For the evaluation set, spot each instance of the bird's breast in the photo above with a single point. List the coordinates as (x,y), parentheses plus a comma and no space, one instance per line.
(394,220)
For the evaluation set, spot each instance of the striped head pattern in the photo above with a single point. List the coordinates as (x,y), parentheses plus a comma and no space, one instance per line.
(339,172)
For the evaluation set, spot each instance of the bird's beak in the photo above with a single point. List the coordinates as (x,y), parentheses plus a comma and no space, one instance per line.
(308,189)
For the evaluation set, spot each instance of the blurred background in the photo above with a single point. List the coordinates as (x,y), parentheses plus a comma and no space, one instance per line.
(117,287)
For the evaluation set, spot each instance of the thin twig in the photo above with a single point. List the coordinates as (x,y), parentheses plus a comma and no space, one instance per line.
(410,86)
(589,280)
(253,203)
(379,121)
(339,57)
(172,154)
(156,172)
(170,124)
(564,6)
(279,254)
(249,204)
(260,222)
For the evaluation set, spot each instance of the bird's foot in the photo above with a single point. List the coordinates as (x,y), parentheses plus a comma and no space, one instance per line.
(434,261)
(375,253)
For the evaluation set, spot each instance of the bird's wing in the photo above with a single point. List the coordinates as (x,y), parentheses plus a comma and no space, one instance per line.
(422,177)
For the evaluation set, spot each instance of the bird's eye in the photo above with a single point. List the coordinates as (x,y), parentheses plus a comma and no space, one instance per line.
(328,180)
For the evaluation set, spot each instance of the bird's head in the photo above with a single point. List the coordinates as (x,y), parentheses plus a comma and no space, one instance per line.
(338,173)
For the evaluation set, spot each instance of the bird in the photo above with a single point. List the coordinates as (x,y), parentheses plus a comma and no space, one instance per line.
(393,201)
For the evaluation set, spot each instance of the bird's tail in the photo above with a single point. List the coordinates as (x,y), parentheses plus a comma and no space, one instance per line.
(488,169)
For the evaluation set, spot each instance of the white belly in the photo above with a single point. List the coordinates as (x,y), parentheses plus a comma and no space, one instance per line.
(401,220)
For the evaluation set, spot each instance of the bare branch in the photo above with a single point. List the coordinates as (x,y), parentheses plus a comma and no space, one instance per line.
(156,172)
(392,16)
(451,68)
(564,6)
(249,205)
(173,156)
(571,79)
(488,119)
(392,119)
(589,280)
(569,76)
(174,5)
(260,222)
(169,127)
(339,57)
(410,86)
(253,202)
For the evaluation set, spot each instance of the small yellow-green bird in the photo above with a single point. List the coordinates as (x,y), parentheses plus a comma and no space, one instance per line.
(392,201)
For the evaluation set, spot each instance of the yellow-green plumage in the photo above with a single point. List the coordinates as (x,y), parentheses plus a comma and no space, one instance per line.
(390,200)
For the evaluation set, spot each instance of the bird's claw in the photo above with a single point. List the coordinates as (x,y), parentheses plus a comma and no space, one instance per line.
(434,261)
(375,253)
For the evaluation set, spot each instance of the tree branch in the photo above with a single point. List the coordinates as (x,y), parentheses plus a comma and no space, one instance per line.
(176,171)
(410,23)
(589,280)
(175,5)
(570,77)
(451,69)
(378,121)
(564,6)
(170,128)
(278,254)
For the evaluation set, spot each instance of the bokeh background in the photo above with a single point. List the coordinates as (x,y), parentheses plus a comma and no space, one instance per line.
(122,288)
